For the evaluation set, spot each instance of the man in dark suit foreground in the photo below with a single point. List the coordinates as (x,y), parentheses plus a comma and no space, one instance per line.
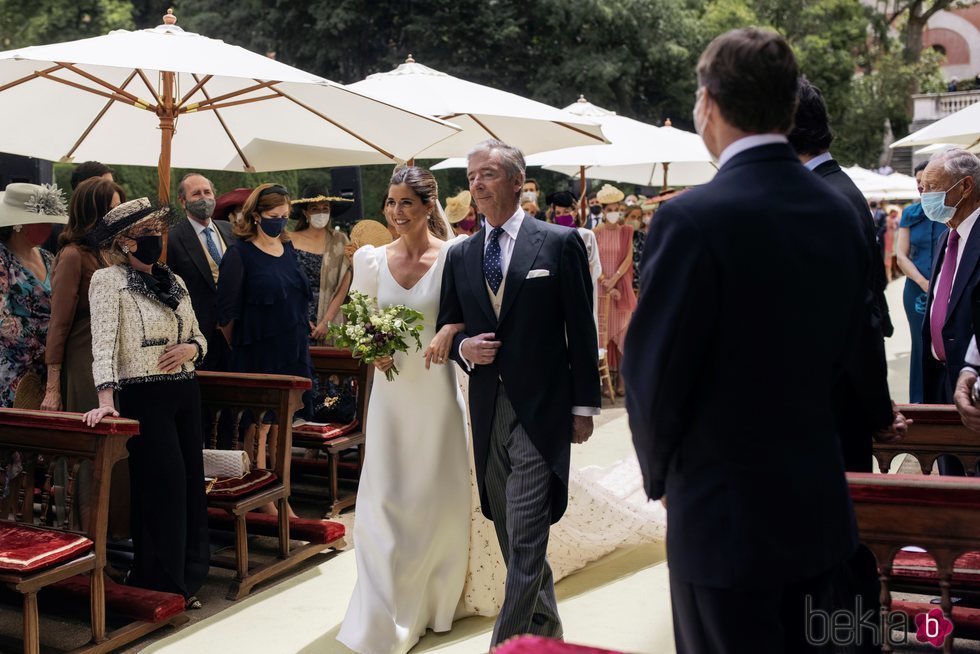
(749,316)
(194,250)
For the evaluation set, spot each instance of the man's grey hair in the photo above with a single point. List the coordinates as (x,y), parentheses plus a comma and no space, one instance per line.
(510,157)
(958,163)
(181,192)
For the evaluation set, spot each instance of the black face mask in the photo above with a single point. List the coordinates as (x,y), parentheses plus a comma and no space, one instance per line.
(595,210)
(148,249)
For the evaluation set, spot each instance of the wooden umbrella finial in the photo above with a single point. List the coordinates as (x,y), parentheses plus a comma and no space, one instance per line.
(667,123)
(169,18)
(410,59)
(581,98)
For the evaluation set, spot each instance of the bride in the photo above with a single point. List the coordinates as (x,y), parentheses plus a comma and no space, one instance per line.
(417,505)
(413,504)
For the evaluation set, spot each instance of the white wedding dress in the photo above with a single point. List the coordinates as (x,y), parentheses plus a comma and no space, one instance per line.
(413,502)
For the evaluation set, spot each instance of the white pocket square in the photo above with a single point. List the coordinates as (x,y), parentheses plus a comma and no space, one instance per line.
(538,273)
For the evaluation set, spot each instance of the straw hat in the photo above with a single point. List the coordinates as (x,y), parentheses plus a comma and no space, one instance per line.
(29,204)
(315,193)
(126,216)
(458,206)
(609,194)
(369,232)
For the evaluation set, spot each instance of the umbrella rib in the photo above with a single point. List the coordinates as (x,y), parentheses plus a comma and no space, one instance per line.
(28,78)
(200,85)
(198,106)
(192,108)
(81,87)
(485,128)
(102,82)
(149,87)
(334,123)
(581,131)
(88,130)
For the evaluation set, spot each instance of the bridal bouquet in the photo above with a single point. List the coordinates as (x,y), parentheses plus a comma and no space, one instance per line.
(371,333)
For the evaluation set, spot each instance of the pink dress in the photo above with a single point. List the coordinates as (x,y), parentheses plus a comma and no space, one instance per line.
(614,245)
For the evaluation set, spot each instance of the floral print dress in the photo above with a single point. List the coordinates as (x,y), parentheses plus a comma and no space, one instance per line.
(25,308)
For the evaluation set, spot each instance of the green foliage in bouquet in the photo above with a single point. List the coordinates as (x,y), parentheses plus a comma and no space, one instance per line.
(371,333)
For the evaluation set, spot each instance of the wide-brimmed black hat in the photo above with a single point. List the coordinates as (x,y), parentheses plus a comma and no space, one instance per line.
(562,199)
(126,216)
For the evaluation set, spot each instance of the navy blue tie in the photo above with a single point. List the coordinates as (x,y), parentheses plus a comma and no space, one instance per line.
(212,246)
(492,269)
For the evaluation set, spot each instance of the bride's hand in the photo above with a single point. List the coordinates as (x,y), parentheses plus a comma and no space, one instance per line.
(383,364)
(438,350)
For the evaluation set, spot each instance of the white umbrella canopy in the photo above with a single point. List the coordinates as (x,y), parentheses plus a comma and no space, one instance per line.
(961,128)
(883,187)
(108,98)
(638,153)
(481,111)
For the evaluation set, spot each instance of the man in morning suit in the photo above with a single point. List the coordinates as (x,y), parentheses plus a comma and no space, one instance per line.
(194,250)
(741,333)
(522,288)
(950,195)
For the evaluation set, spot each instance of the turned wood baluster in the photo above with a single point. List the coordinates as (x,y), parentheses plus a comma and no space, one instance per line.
(884,574)
(74,466)
(213,441)
(47,488)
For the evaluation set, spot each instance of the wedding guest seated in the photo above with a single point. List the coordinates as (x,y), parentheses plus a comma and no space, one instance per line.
(146,345)
(194,251)
(26,214)
(320,250)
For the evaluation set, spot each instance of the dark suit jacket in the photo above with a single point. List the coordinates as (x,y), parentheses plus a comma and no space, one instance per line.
(749,315)
(939,380)
(544,374)
(856,436)
(186,258)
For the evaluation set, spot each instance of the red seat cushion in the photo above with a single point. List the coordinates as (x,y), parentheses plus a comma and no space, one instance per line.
(921,566)
(263,524)
(325,432)
(129,601)
(235,487)
(539,645)
(27,549)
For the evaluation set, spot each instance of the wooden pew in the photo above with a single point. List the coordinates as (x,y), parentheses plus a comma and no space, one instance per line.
(936,429)
(231,501)
(938,514)
(38,439)
(342,446)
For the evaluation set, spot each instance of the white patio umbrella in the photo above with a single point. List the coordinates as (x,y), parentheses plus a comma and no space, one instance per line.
(883,187)
(216,106)
(961,128)
(481,111)
(942,147)
(638,153)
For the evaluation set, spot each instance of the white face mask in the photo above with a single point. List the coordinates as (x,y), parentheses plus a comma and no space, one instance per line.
(646,218)
(320,220)
(529,196)
(237,217)
(613,216)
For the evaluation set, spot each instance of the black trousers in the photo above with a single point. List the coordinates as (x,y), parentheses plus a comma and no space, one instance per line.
(737,621)
(169,520)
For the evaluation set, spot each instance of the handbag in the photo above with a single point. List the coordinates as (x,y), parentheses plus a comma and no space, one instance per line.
(336,403)
(226,464)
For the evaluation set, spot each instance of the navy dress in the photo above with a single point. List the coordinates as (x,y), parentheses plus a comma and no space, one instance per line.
(268,298)
(924,234)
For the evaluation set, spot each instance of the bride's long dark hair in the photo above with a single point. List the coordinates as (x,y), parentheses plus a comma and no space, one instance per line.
(423,183)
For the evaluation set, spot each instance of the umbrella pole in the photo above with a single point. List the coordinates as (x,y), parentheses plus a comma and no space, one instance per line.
(666,166)
(583,201)
(167,111)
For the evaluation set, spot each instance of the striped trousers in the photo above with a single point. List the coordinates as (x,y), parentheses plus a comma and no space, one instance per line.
(518,487)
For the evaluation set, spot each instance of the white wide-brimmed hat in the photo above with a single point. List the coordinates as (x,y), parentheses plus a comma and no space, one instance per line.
(29,204)
(458,206)
(609,194)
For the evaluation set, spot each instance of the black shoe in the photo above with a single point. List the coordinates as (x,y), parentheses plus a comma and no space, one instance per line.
(192,603)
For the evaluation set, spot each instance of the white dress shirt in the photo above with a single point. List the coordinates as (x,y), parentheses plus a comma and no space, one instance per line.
(747,143)
(506,241)
(199,229)
(963,230)
(817,160)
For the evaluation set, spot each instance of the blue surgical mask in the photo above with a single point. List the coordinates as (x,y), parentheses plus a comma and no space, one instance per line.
(935,207)
(273,226)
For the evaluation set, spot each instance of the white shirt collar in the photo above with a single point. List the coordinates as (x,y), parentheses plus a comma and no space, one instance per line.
(199,228)
(512,227)
(817,160)
(747,143)
(966,226)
